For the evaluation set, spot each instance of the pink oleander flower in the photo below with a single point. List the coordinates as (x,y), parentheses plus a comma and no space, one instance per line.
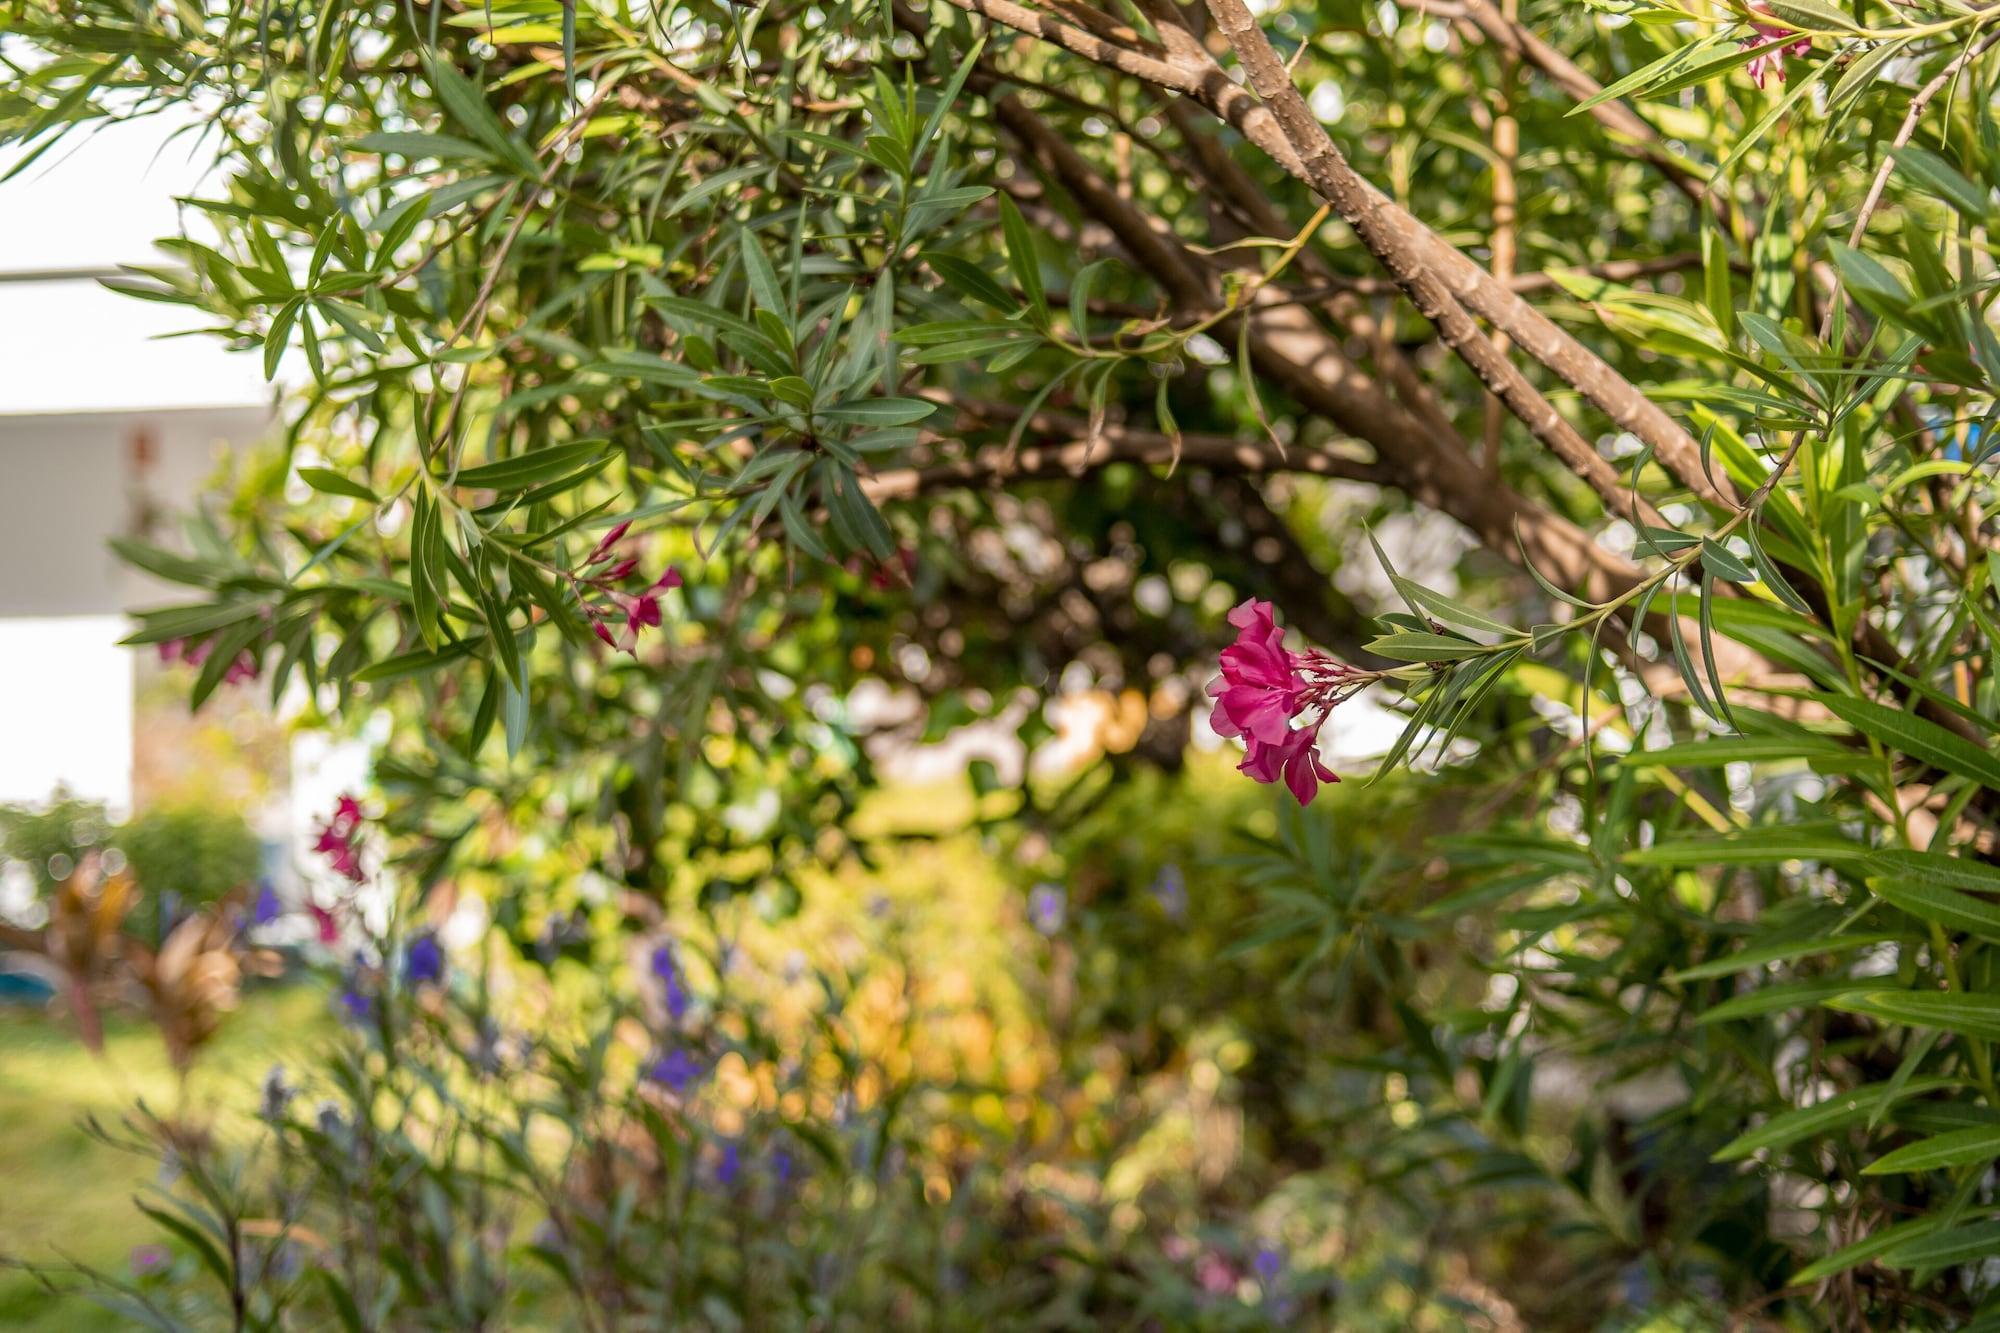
(1773,44)
(638,611)
(1277,700)
(244,668)
(325,924)
(602,551)
(339,841)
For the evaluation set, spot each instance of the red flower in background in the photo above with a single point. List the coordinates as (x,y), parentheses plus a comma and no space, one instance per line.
(339,841)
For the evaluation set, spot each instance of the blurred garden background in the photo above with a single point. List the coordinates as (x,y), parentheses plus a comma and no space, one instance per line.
(836,664)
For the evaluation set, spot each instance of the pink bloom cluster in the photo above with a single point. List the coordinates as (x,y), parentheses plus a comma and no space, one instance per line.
(194,654)
(1277,700)
(638,610)
(1773,44)
(340,842)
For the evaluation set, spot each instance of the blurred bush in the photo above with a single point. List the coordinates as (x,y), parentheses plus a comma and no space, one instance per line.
(50,839)
(185,857)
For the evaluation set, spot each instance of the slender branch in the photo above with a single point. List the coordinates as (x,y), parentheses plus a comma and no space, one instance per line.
(1187,69)
(1908,129)
(1066,450)
(1390,240)
(1516,40)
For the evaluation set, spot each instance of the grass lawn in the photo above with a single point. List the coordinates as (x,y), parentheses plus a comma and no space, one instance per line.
(67,1196)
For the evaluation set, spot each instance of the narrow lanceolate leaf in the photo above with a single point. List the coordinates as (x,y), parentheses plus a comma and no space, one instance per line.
(1758,846)
(1918,738)
(1776,999)
(1723,563)
(1953,1011)
(764,288)
(1720,750)
(1413,647)
(1936,868)
(1779,951)
(415,663)
(1958,1245)
(328,481)
(1940,178)
(1840,1111)
(427,587)
(530,469)
(1022,261)
(1946,907)
(878,411)
(1944,1150)
(1868,1247)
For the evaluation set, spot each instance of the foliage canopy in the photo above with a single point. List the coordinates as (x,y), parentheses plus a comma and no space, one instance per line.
(671,374)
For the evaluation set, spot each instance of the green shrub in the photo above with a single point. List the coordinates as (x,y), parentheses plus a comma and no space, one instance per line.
(188,855)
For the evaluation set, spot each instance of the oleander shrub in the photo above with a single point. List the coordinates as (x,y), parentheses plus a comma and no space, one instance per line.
(703,412)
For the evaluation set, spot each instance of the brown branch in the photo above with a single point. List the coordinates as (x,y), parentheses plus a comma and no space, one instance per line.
(1392,241)
(1067,451)
(1188,69)
(1904,133)
(1516,40)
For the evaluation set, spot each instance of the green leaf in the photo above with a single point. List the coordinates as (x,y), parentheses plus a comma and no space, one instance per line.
(180,622)
(1953,1011)
(1943,1150)
(1720,750)
(1413,647)
(1781,951)
(1811,15)
(1946,907)
(1918,738)
(1958,1245)
(1936,868)
(1868,1247)
(337,483)
(969,279)
(469,108)
(1942,179)
(1723,564)
(530,469)
(417,663)
(878,411)
(1022,260)
(1758,846)
(1774,999)
(1837,1112)
(1696,63)
(764,288)
(411,143)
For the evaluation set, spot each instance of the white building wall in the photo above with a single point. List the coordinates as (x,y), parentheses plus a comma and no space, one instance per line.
(104,419)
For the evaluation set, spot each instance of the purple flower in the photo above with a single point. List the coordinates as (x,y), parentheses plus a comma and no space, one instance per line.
(356,1002)
(1269,1265)
(782,1166)
(728,1164)
(665,966)
(674,1071)
(1047,906)
(1170,892)
(423,960)
(356,1005)
(147,1259)
(268,908)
